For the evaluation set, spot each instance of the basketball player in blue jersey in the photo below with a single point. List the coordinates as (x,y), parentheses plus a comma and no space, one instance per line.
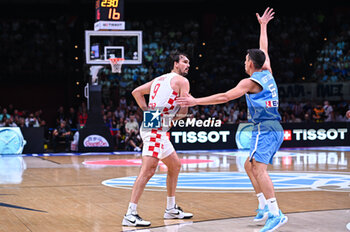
(261,94)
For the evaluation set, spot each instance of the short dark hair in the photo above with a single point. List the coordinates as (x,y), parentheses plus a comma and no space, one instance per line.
(257,56)
(174,56)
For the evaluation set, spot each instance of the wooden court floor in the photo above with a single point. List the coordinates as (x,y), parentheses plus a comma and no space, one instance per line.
(65,192)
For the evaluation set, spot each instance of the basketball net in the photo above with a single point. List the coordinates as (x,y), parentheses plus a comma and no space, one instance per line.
(116,64)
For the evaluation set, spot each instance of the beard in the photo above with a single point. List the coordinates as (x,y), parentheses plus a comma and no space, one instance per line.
(184,72)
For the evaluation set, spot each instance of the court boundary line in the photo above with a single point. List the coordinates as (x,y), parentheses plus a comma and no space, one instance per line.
(210,220)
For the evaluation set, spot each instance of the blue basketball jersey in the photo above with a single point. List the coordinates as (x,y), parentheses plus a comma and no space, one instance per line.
(263,105)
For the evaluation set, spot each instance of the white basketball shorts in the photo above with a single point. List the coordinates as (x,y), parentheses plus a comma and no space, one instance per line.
(156,143)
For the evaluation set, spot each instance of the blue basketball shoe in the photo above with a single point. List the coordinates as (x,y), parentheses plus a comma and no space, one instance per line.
(274,222)
(262,214)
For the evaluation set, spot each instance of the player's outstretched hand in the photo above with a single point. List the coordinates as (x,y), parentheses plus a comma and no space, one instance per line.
(266,17)
(186,101)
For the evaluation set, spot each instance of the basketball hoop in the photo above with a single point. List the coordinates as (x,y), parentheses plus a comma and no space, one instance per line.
(116,64)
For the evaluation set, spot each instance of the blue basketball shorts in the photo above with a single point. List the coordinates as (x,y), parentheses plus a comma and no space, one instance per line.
(267,137)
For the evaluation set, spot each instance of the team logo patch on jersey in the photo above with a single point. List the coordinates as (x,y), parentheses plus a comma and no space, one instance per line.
(271,103)
(152,119)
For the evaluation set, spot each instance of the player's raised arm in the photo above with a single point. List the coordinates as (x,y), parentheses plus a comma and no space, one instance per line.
(263,41)
(139,94)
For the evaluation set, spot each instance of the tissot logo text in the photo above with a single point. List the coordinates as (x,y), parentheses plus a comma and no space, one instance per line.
(320,134)
(200,136)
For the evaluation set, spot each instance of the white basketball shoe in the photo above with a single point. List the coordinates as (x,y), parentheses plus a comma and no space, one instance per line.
(134,220)
(176,213)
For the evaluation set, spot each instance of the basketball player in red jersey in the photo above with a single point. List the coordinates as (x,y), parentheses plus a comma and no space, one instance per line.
(163,91)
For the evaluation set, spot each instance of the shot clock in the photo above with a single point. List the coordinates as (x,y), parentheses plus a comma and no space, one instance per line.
(109,10)
(109,15)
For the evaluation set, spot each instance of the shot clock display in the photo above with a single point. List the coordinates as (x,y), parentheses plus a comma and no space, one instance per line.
(109,10)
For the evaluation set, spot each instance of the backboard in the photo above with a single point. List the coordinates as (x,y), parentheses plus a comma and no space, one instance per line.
(102,45)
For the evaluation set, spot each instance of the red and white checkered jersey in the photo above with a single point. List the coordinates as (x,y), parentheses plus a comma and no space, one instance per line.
(162,97)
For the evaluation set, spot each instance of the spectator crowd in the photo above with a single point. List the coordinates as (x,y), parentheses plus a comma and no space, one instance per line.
(217,54)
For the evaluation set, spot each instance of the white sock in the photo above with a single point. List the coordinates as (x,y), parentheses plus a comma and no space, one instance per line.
(132,208)
(262,200)
(170,202)
(273,207)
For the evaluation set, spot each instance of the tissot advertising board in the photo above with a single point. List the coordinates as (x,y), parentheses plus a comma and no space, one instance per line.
(225,136)
(195,138)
